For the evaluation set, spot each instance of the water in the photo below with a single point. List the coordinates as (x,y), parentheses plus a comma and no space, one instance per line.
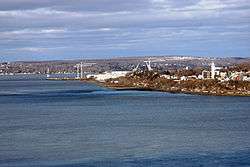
(69,123)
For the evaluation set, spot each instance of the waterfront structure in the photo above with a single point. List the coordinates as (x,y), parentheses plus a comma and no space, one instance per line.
(206,74)
(108,75)
(236,76)
(166,76)
(136,68)
(223,76)
(116,74)
(183,78)
(148,64)
(214,70)
(246,78)
(200,76)
(79,69)
(48,73)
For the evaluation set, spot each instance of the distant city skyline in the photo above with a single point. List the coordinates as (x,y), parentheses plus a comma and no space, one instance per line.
(76,29)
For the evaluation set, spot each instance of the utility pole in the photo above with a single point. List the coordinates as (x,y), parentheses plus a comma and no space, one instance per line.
(77,71)
(213,68)
(81,66)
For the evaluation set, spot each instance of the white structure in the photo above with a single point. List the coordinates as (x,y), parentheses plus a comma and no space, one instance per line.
(109,75)
(214,70)
(166,76)
(148,64)
(246,78)
(206,74)
(48,73)
(200,76)
(236,76)
(79,69)
(136,68)
(183,78)
(223,76)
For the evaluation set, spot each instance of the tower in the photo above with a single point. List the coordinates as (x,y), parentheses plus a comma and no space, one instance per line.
(77,71)
(48,73)
(81,68)
(213,68)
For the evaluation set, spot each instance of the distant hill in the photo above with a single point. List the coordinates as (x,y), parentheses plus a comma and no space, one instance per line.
(120,63)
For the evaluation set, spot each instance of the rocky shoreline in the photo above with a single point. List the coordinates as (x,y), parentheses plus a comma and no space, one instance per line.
(118,88)
(196,87)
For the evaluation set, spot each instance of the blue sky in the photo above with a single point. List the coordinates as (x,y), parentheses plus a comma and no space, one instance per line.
(75,29)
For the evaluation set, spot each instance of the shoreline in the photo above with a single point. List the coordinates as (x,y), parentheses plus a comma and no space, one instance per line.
(167,91)
(177,92)
(134,88)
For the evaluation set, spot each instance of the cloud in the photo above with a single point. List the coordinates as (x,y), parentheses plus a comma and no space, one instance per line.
(41,12)
(31,49)
(34,31)
(35,49)
(97,27)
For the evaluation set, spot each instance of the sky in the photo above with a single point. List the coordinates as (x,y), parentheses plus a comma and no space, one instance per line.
(79,29)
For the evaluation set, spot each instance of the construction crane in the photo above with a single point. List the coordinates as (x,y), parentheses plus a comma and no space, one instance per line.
(148,64)
(136,68)
(79,69)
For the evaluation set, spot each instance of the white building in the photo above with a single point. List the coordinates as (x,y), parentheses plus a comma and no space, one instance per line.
(108,75)
(214,70)
(206,74)
(223,76)
(183,78)
(166,76)
(200,76)
(236,76)
(246,78)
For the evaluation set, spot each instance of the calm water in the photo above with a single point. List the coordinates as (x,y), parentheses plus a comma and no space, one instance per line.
(57,123)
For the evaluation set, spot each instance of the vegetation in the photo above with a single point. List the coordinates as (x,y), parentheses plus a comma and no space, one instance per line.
(154,81)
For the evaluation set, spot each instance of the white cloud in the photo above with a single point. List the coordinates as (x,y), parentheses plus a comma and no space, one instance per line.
(31,33)
(94,25)
(216,5)
(35,31)
(32,49)
(50,12)
(207,5)
(38,12)
(37,49)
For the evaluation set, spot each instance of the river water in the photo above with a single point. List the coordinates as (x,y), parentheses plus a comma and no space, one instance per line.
(69,123)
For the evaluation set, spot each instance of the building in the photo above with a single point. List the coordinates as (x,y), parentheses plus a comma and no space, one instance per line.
(166,76)
(183,78)
(246,78)
(237,76)
(108,75)
(206,74)
(200,77)
(214,70)
(223,76)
